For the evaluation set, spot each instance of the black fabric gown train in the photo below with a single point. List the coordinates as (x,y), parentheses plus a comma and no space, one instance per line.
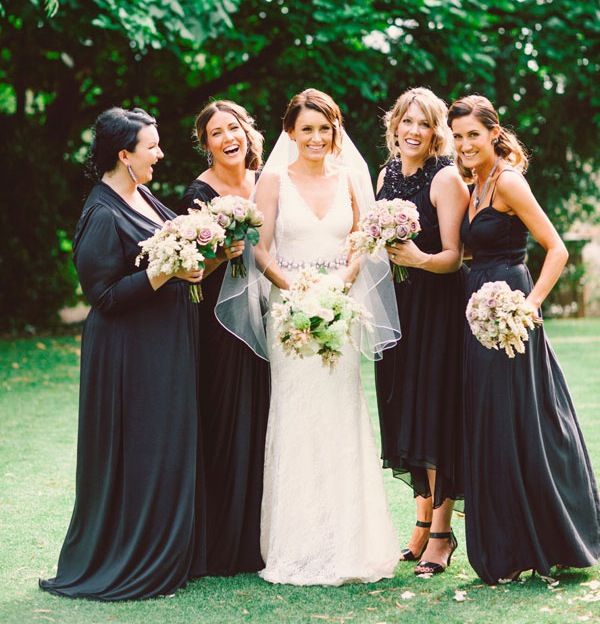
(235,389)
(137,525)
(419,380)
(530,496)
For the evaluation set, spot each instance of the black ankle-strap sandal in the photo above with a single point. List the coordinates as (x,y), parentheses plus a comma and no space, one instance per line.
(429,567)
(406,553)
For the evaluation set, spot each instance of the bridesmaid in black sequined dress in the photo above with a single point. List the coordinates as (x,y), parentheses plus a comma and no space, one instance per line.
(419,380)
(234,382)
(531,499)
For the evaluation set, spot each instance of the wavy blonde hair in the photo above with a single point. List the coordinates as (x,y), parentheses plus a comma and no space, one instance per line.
(316,100)
(435,111)
(254,137)
(507,146)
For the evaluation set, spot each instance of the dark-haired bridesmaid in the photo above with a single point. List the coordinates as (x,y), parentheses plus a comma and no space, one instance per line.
(419,380)
(234,382)
(136,529)
(531,499)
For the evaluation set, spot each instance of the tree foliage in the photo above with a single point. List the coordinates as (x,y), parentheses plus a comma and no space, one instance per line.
(64,61)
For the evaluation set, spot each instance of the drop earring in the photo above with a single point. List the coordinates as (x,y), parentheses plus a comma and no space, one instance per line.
(209,159)
(131,174)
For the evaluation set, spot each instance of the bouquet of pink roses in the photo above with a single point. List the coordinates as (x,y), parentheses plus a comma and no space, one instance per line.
(239,217)
(499,318)
(387,222)
(183,243)
(316,316)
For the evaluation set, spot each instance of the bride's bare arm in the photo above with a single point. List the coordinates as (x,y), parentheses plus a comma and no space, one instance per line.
(267,199)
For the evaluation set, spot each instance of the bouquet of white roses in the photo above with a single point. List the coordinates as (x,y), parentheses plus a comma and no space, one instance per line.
(499,318)
(387,222)
(183,243)
(239,217)
(317,317)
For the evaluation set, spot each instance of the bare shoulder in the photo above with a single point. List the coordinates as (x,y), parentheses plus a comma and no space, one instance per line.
(447,176)
(511,183)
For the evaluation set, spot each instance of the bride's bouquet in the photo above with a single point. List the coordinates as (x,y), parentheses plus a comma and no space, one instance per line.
(317,317)
(388,221)
(499,318)
(239,217)
(183,243)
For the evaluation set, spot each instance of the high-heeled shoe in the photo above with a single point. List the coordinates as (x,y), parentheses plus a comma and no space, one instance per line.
(406,553)
(429,567)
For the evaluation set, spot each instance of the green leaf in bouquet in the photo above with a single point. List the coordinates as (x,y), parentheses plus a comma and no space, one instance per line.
(253,236)
(209,253)
(240,231)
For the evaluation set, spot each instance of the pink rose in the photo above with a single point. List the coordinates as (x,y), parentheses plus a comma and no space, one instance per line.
(239,212)
(374,231)
(223,220)
(402,232)
(204,236)
(414,226)
(400,217)
(188,233)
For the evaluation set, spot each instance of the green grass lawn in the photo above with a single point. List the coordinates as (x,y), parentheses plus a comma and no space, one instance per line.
(38,422)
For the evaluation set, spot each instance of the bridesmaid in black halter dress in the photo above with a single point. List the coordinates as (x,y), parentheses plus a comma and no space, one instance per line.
(419,380)
(530,496)
(234,382)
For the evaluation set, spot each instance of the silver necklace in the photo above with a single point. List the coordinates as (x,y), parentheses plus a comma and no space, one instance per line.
(484,188)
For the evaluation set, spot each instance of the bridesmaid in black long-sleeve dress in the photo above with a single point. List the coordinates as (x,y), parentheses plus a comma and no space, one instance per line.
(137,526)
(419,380)
(531,499)
(234,382)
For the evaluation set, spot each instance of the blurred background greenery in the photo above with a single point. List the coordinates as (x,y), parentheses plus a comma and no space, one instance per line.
(64,61)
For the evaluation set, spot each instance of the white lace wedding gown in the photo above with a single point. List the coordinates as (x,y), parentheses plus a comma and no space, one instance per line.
(325,518)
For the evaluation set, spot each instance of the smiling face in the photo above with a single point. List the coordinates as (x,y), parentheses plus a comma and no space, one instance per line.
(473,142)
(313,134)
(414,134)
(226,139)
(146,154)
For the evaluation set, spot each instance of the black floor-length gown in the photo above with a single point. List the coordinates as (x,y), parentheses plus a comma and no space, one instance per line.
(530,496)
(137,525)
(419,380)
(234,406)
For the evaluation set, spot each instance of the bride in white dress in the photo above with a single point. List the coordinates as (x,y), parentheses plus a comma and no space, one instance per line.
(325,518)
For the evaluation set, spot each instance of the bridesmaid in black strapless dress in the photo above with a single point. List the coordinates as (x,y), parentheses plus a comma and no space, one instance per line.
(531,499)
(234,382)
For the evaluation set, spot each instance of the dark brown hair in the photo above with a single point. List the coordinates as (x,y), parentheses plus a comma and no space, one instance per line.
(316,100)
(507,145)
(254,137)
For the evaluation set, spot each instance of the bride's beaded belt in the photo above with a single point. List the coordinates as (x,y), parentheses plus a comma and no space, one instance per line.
(319,263)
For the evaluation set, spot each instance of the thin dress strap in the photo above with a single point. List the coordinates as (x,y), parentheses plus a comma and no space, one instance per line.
(496,182)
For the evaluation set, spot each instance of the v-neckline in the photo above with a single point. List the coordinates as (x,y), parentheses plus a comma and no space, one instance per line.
(306,205)
(137,212)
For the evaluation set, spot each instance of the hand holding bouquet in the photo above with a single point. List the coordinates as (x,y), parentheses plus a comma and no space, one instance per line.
(500,318)
(239,218)
(317,317)
(183,243)
(387,222)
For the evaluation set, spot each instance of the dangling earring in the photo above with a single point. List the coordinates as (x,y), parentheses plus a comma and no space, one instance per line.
(495,141)
(131,174)
(209,158)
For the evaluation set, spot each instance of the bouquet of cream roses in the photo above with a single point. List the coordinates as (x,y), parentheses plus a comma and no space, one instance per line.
(316,317)
(388,221)
(499,318)
(239,218)
(183,243)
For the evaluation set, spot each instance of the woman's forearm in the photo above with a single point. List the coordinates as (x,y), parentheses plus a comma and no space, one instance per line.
(554,263)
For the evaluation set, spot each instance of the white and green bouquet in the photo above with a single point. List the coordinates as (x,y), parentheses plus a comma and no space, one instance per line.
(240,219)
(499,318)
(387,221)
(317,317)
(183,243)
